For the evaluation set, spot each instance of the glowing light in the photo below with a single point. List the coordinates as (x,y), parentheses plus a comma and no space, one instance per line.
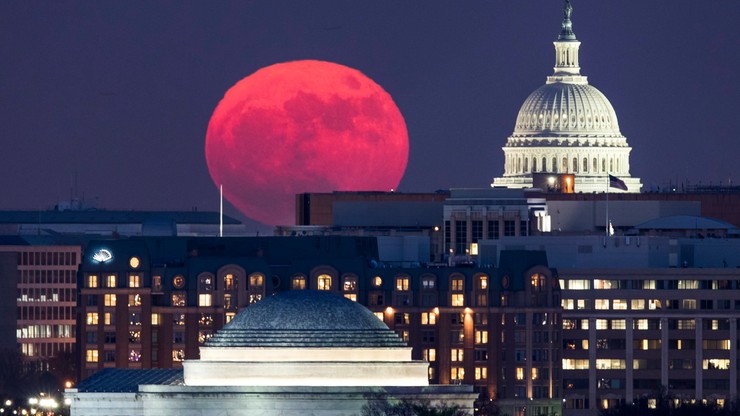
(389,310)
(103,256)
(436,311)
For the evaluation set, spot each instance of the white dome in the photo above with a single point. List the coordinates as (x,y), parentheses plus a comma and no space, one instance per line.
(564,109)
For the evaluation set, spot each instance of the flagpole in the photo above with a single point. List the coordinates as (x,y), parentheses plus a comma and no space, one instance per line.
(221,211)
(607,206)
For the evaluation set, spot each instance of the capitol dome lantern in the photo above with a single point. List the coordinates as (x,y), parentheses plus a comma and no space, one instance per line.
(567,127)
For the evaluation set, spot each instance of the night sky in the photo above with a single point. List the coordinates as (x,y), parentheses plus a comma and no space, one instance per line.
(119,94)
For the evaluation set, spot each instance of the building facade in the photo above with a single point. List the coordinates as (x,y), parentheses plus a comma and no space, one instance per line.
(152,303)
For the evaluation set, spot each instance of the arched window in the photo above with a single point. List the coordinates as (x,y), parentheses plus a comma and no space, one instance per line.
(256,287)
(526,164)
(538,282)
(544,164)
(603,165)
(585,165)
(534,164)
(554,165)
(299,283)
(575,165)
(323,282)
(565,165)
(596,166)
(230,281)
(611,165)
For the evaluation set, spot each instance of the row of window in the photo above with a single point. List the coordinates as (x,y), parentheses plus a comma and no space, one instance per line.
(48,277)
(44,258)
(666,284)
(643,364)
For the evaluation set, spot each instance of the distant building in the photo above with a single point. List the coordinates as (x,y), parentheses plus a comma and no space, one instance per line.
(567,127)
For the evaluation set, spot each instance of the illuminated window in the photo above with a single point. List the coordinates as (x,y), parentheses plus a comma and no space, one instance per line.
(349,283)
(520,373)
(602,304)
(716,344)
(351,296)
(204,335)
(91,356)
(109,318)
(481,337)
(110,299)
(428,318)
(610,364)
(256,281)
(535,373)
(92,280)
(92,318)
(134,336)
(457,284)
(571,364)
(602,324)
(134,355)
(457,354)
(430,354)
(230,282)
(430,372)
(619,324)
(230,316)
(324,282)
(538,282)
(579,284)
(156,283)
(457,373)
(379,315)
(156,319)
(428,282)
(457,299)
(482,282)
(619,304)
(205,299)
(179,299)
(110,280)
(377,281)
(178,355)
(134,299)
(228,304)
(402,284)
(716,364)
(299,283)
(206,319)
(481,373)
(134,280)
(638,304)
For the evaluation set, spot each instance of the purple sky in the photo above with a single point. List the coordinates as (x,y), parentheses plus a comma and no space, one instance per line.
(120,93)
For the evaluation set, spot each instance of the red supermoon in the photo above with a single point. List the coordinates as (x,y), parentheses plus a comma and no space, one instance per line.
(303,126)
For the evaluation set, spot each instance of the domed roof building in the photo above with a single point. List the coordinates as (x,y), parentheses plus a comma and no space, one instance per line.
(567,127)
(297,353)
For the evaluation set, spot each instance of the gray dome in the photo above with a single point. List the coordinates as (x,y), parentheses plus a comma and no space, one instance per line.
(562,108)
(304,319)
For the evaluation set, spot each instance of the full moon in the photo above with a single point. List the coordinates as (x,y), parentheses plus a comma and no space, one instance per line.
(303,126)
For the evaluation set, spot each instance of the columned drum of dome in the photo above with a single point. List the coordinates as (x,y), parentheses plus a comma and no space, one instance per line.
(567,126)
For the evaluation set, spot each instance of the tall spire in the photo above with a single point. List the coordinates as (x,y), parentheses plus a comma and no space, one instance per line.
(567,32)
(567,69)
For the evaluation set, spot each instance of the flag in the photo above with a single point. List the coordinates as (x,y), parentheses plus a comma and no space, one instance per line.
(615,182)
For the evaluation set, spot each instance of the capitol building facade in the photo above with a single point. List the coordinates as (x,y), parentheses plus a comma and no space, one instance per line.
(567,127)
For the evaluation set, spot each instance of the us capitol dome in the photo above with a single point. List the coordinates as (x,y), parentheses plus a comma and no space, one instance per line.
(567,127)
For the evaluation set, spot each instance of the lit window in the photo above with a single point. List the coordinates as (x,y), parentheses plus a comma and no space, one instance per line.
(579,284)
(110,280)
(299,283)
(457,373)
(571,364)
(619,324)
(428,283)
(601,304)
(483,282)
(205,299)
(324,282)
(638,304)
(230,282)
(538,282)
(109,318)
(178,355)
(377,281)
(457,284)
(535,373)
(379,315)
(134,355)
(349,284)
(430,354)
(457,354)
(457,299)
(134,280)
(156,283)
(602,324)
(230,316)
(481,337)
(179,299)
(256,281)
(481,373)
(91,356)
(134,299)
(92,318)
(402,284)
(351,296)
(92,280)
(110,299)
(520,373)
(716,364)
(610,364)
(156,319)
(619,304)
(428,318)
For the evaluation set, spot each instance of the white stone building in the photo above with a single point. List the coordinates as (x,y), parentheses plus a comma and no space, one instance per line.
(567,127)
